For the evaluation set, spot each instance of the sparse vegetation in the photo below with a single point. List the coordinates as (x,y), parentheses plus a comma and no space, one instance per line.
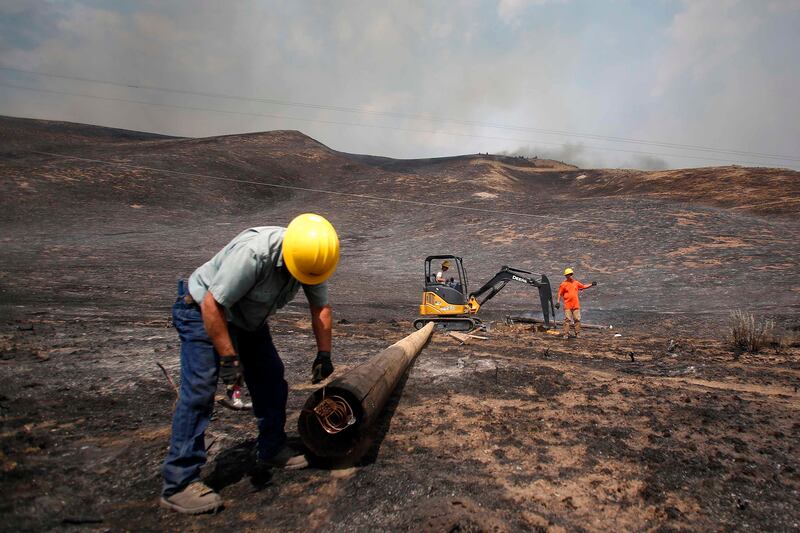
(784,342)
(748,333)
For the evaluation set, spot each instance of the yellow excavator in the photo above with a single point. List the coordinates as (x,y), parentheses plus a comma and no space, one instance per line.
(448,303)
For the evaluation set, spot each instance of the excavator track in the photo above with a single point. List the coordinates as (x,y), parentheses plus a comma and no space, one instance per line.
(449,323)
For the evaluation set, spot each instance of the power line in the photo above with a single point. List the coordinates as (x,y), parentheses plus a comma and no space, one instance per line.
(376,126)
(417,116)
(314,190)
(358,196)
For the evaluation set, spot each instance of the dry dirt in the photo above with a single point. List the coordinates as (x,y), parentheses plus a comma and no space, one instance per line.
(523,431)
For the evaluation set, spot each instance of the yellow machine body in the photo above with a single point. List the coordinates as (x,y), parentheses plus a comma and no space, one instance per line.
(433,305)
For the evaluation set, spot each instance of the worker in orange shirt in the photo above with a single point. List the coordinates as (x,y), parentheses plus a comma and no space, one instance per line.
(569,290)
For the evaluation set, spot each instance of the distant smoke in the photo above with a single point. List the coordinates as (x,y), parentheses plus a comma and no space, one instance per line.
(580,156)
(649,162)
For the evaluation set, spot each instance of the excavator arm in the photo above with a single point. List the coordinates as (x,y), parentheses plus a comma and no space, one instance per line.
(501,279)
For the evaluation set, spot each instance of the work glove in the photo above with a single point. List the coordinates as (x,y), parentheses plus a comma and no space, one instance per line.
(229,369)
(594,284)
(558,305)
(322,367)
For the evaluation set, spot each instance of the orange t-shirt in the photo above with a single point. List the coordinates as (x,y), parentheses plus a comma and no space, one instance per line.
(569,291)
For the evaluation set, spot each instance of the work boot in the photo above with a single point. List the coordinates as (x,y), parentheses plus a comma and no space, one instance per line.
(577,328)
(195,498)
(566,328)
(288,459)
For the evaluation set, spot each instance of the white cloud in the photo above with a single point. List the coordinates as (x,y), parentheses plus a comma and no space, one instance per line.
(707,35)
(721,80)
(509,11)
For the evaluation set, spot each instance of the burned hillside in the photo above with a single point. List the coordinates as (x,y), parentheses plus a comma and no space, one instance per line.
(662,427)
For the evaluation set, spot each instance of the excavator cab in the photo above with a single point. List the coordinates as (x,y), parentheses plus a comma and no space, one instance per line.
(446,302)
(453,290)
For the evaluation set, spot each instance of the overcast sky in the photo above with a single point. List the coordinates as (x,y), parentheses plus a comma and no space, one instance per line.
(417,79)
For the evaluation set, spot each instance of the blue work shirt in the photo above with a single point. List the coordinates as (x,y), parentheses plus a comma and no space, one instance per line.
(249,279)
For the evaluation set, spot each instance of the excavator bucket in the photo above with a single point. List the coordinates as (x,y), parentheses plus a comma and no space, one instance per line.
(546,297)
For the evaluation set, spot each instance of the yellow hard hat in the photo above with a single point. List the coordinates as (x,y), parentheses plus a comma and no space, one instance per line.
(568,271)
(310,249)
(446,264)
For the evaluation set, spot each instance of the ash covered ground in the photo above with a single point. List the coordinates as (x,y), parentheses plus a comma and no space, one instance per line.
(522,431)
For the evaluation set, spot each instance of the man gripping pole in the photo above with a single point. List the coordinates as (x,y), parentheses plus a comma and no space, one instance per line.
(221,316)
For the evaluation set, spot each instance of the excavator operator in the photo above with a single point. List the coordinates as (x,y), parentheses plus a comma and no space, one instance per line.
(440,276)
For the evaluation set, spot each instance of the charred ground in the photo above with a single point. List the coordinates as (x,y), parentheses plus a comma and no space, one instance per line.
(522,431)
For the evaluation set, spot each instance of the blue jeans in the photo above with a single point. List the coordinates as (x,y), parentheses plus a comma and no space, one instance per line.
(263,373)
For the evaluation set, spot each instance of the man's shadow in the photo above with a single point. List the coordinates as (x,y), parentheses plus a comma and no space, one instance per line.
(236,463)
